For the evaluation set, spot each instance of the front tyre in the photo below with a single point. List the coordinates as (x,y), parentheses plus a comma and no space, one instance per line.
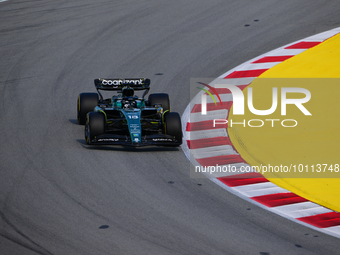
(94,126)
(173,126)
(86,103)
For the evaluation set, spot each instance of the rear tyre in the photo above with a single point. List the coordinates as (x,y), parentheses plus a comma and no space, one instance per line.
(94,126)
(173,126)
(160,98)
(86,103)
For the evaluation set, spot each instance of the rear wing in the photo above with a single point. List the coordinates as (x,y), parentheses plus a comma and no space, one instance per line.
(118,84)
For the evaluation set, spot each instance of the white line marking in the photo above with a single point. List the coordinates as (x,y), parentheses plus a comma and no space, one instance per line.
(196,135)
(257,66)
(333,230)
(218,114)
(213,151)
(260,189)
(284,52)
(302,209)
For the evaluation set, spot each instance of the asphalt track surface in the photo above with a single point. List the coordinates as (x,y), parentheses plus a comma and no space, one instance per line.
(60,196)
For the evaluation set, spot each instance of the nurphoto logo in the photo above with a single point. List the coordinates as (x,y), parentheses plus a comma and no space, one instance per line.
(239,104)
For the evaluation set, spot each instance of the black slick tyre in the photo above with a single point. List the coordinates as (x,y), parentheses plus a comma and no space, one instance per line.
(86,103)
(173,126)
(94,126)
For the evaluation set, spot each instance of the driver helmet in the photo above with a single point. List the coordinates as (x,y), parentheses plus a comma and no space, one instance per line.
(127,91)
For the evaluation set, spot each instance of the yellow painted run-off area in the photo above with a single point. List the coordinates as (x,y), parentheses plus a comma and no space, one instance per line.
(305,159)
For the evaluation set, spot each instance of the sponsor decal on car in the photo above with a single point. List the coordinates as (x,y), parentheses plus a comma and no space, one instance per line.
(117,82)
(108,140)
(162,140)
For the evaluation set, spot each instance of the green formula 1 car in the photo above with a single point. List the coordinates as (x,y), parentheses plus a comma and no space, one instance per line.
(126,119)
